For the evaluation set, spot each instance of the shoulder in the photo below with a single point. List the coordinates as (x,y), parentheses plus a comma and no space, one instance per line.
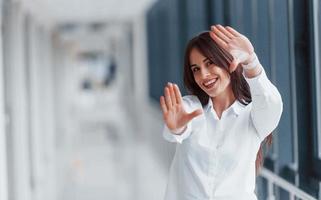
(191,102)
(243,109)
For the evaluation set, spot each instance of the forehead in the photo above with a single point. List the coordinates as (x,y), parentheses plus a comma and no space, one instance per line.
(196,56)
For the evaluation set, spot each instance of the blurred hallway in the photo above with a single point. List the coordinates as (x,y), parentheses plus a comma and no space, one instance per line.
(68,78)
(106,161)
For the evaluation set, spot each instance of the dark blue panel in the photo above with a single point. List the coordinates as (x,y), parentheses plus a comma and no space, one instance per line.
(248,20)
(154,52)
(281,67)
(262,43)
(261,185)
(215,12)
(166,36)
(174,46)
(316,119)
(196,17)
(236,11)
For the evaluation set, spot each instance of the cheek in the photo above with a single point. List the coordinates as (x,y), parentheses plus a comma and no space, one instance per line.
(225,81)
(197,80)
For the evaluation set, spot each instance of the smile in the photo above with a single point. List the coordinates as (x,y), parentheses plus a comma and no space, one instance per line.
(210,83)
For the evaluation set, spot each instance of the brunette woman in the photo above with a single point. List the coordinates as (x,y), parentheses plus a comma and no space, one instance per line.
(220,128)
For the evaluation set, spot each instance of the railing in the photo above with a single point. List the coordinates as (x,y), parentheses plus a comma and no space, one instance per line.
(273,179)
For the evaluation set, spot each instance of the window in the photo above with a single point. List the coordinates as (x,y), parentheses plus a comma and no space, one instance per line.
(316,77)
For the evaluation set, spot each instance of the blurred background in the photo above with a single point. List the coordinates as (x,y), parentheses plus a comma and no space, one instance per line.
(80,82)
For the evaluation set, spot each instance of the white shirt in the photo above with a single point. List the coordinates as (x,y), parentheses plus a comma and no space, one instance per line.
(215,158)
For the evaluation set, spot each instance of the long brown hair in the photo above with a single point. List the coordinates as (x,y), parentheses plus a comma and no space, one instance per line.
(220,57)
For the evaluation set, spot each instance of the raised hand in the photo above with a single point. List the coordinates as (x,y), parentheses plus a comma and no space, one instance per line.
(174,114)
(233,42)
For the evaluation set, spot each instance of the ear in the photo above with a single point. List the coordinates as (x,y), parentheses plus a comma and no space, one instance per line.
(233,65)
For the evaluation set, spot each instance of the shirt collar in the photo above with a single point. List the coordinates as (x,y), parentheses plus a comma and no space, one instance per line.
(236,107)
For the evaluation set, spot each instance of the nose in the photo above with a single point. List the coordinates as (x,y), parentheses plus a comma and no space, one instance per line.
(204,73)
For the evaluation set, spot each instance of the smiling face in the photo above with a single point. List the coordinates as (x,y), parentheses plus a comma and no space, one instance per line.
(212,79)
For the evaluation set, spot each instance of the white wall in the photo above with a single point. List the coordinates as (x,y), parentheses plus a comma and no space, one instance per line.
(26,80)
(16,103)
(148,117)
(41,116)
(3,150)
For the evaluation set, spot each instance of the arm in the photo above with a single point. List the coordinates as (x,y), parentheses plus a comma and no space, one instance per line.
(267,105)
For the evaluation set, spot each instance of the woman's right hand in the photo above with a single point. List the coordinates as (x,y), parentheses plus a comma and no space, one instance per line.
(174,114)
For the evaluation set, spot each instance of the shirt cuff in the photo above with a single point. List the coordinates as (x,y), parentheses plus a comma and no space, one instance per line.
(258,84)
(172,137)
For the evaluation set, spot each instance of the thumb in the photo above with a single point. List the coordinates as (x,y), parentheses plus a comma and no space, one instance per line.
(193,114)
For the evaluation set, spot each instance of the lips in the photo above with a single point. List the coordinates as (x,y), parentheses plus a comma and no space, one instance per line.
(210,83)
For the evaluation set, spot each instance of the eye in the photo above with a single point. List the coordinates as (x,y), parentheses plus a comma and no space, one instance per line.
(209,63)
(195,69)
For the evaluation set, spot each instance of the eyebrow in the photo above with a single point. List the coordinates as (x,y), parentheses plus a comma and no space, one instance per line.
(197,65)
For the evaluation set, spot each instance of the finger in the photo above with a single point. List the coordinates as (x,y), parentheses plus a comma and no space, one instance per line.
(178,94)
(193,114)
(221,35)
(233,32)
(168,100)
(172,93)
(233,65)
(218,40)
(226,32)
(163,104)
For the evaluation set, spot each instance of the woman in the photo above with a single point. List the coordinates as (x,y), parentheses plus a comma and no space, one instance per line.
(219,129)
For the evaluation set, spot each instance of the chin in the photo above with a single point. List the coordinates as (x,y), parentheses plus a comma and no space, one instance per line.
(212,94)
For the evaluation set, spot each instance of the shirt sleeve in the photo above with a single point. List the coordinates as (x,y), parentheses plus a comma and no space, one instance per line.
(178,138)
(267,105)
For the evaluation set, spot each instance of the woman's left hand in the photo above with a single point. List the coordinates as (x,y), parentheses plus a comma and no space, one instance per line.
(233,42)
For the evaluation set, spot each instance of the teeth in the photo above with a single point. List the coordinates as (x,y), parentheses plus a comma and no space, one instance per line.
(210,82)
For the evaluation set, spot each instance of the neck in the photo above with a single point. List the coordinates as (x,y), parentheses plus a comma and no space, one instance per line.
(223,101)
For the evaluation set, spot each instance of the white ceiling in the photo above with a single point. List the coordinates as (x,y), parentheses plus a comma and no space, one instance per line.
(83,11)
(75,19)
